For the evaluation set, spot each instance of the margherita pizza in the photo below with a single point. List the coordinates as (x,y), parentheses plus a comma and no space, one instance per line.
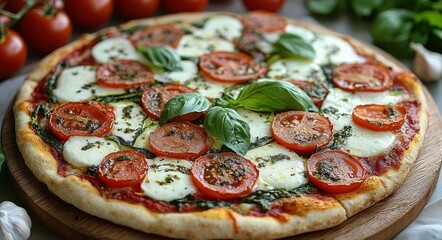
(220,125)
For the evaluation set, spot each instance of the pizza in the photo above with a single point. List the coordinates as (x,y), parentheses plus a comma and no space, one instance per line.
(220,125)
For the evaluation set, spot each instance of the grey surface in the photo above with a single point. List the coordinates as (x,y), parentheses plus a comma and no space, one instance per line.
(294,9)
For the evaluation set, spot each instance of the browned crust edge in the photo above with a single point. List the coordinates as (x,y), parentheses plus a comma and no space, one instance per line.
(215,223)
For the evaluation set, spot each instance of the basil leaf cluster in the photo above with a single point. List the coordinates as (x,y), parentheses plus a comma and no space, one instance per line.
(229,127)
(291,45)
(182,104)
(273,96)
(396,23)
(224,123)
(163,57)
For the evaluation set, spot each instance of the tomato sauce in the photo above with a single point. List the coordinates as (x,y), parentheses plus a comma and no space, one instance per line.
(378,165)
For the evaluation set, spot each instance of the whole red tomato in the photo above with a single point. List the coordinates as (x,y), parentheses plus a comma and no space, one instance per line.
(132,9)
(184,5)
(12,53)
(45,31)
(89,13)
(268,5)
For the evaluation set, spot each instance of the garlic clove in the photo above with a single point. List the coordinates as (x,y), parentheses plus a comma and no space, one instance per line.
(427,65)
(15,223)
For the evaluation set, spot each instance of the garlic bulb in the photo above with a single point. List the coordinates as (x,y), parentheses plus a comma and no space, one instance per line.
(15,223)
(427,65)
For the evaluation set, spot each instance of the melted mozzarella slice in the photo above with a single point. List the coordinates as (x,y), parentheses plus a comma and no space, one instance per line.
(367,143)
(278,167)
(206,87)
(190,71)
(113,49)
(195,46)
(300,31)
(87,151)
(259,125)
(168,179)
(286,69)
(334,50)
(222,26)
(338,107)
(78,84)
(339,102)
(129,119)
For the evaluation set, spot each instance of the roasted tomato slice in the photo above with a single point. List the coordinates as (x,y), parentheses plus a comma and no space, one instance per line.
(315,90)
(264,21)
(302,132)
(224,176)
(231,67)
(253,43)
(164,35)
(379,117)
(124,74)
(179,140)
(126,168)
(87,118)
(362,77)
(154,98)
(335,171)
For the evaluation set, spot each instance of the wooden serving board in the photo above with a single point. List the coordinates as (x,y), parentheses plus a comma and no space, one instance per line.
(384,220)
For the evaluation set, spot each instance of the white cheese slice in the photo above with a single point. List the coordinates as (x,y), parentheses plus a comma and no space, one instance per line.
(300,31)
(334,50)
(342,102)
(129,120)
(338,107)
(195,46)
(259,124)
(190,70)
(168,179)
(278,167)
(78,84)
(286,69)
(87,151)
(206,87)
(222,26)
(367,143)
(113,49)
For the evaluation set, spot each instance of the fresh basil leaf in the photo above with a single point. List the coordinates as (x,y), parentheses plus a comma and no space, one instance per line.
(229,127)
(433,18)
(322,7)
(392,26)
(391,30)
(183,104)
(273,96)
(163,57)
(420,33)
(2,158)
(437,33)
(291,45)
(364,8)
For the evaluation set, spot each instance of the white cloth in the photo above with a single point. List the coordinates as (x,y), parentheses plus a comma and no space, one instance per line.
(427,226)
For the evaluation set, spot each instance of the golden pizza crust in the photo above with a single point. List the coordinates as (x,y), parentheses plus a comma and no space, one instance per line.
(309,213)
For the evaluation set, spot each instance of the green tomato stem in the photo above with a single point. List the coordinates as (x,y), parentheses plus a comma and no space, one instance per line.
(2,32)
(48,9)
(16,17)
